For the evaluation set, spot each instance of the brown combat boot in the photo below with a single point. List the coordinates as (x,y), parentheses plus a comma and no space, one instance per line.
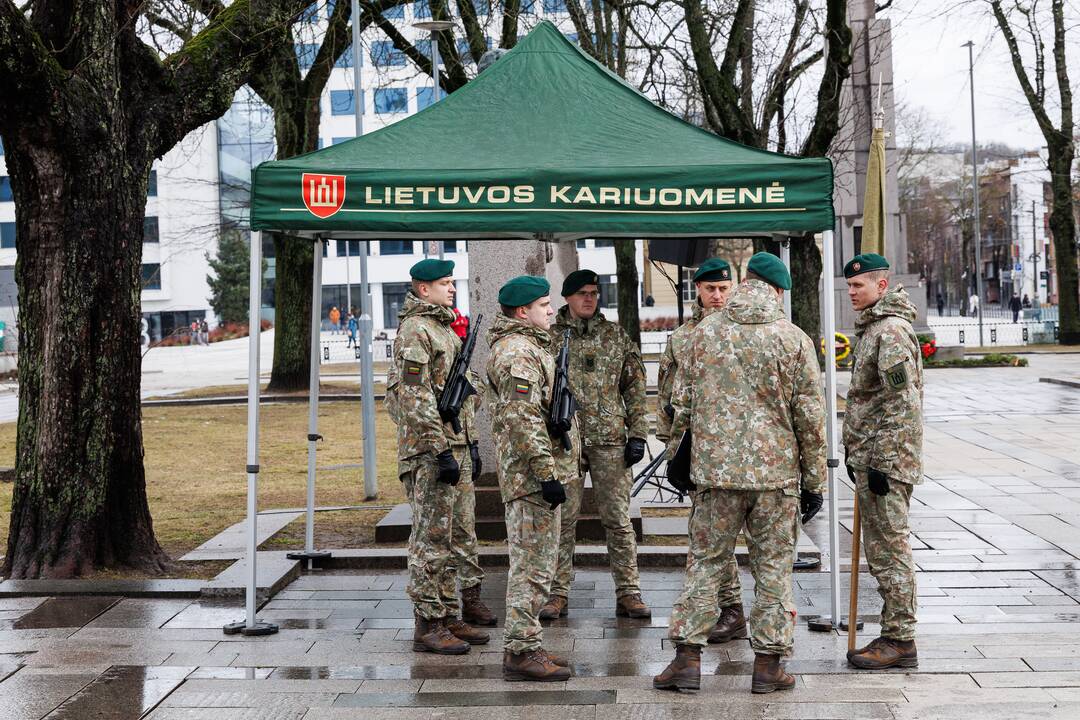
(884,653)
(768,675)
(464,631)
(556,659)
(473,609)
(556,607)
(433,637)
(683,673)
(632,606)
(730,626)
(532,666)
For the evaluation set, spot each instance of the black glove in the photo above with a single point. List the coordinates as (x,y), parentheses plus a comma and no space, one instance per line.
(879,482)
(474,456)
(678,467)
(669,410)
(635,450)
(553,492)
(809,504)
(449,472)
(683,484)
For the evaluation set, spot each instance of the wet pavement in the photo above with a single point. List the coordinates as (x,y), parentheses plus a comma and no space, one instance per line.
(996,537)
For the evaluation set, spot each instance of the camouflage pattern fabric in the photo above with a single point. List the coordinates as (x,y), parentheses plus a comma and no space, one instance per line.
(606,376)
(887,549)
(883,426)
(520,375)
(424,352)
(752,394)
(611,483)
(431,572)
(729,593)
(770,518)
(466,562)
(532,531)
(676,351)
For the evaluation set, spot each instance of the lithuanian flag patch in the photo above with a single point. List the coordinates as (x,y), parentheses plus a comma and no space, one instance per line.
(413,373)
(522,389)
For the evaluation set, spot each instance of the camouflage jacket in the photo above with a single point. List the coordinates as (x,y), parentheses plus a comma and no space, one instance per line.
(883,426)
(751,393)
(606,377)
(676,352)
(424,351)
(520,376)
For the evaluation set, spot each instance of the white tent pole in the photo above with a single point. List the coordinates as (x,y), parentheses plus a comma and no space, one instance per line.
(251,626)
(785,257)
(829,313)
(367,380)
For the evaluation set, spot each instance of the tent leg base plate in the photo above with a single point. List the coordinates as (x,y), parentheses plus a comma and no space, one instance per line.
(824,623)
(310,555)
(242,628)
(806,564)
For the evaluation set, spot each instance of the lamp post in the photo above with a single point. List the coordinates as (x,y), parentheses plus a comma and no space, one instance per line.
(1035,256)
(975,189)
(435,27)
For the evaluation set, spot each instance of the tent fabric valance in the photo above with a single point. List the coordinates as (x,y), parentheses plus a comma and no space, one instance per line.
(546,141)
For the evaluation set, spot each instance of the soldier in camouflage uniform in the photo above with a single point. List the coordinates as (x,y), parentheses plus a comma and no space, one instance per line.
(752,399)
(713,285)
(533,469)
(608,381)
(883,444)
(431,456)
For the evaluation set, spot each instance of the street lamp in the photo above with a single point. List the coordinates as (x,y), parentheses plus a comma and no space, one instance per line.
(975,190)
(435,27)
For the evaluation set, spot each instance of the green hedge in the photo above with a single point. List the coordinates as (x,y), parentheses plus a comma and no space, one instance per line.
(988,360)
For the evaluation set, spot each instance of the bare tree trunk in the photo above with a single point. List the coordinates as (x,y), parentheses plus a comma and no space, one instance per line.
(627,283)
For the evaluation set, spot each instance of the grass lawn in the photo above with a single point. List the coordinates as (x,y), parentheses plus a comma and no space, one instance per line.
(196,482)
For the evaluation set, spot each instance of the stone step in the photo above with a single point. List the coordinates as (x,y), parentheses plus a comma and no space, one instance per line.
(395,526)
(489,502)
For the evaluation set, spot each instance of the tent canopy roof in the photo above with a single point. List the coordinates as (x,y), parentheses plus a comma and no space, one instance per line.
(545,142)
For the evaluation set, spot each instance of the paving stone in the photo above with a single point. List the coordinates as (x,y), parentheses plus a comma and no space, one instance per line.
(724,707)
(121,692)
(64,612)
(32,696)
(507,697)
(175,713)
(139,613)
(227,699)
(247,685)
(1028,680)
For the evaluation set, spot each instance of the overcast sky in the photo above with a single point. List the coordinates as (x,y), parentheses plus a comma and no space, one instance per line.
(931,71)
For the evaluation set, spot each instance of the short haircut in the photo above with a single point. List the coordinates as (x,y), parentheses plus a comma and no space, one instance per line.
(416,286)
(751,275)
(875,275)
(508,311)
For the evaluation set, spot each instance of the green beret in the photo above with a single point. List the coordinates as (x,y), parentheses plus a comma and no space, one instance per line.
(431,269)
(712,270)
(522,290)
(867,262)
(577,280)
(769,268)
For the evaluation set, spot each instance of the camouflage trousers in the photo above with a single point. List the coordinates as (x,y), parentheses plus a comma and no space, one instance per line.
(611,481)
(887,549)
(532,531)
(769,517)
(463,537)
(730,592)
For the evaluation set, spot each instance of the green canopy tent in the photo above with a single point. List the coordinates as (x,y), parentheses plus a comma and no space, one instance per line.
(548,144)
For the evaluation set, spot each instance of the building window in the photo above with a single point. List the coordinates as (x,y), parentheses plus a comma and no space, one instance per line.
(425,96)
(353,248)
(5,189)
(421,9)
(305,54)
(554,6)
(7,235)
(393,299)
(609,292)
(151,187)
(339,140)
(395,247)
(689,289)
(343,102)
(151,276)
(1,146)
(396,12)
(384,54)
(580,244)
(149,230)
(603,243)
(347,57)
(451,246)
(391,100)
(311,14)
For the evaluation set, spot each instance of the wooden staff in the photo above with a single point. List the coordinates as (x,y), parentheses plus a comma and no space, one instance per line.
(853,605)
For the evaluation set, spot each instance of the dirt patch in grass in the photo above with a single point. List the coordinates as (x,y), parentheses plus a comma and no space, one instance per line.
(340,387)
(353,528)
(195,468)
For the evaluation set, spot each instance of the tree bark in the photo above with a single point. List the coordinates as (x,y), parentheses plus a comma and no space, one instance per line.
(87,107)
(627,284)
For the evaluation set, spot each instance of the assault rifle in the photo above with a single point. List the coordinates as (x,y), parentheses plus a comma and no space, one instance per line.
(563,404)
(458,388)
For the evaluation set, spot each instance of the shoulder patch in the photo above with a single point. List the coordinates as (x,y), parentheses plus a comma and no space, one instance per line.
(521,389)
(413,373)
(897,376)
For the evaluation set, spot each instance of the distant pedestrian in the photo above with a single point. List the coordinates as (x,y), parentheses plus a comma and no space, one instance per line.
(1036,309)
(193,333)
(973,305)
(335,320)
(353,325)
(940,305)
(1015,304)
(204,332)
(1026,301)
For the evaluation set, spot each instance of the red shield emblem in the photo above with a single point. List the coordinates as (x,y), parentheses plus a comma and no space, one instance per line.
(323,194)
